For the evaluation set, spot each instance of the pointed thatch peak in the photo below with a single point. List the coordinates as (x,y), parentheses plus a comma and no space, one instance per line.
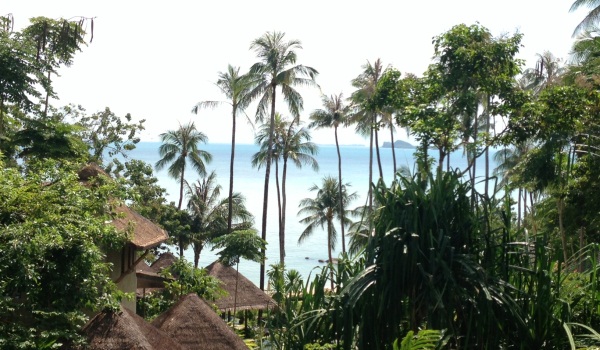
(195,325)
(249,296)
(110,330)
(90,171)
(165,260)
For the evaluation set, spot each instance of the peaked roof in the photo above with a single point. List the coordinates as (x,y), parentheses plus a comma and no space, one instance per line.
(125,330)
(165,260)
(146,234)
(249,296)
(195,325)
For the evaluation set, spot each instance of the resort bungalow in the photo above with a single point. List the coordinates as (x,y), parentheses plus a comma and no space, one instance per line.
(143,235)
(247,296)
(123,329)
(193,324)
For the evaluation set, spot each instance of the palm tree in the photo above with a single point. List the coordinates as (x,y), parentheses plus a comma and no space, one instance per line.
(322,210)
(297,148)
(210,213)
(292,144)
(334,114)
(236,87)
(591,19)
(277,68)
(180,147)
(364,117)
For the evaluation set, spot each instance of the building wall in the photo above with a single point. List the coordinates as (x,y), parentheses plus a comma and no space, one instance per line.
(122,260)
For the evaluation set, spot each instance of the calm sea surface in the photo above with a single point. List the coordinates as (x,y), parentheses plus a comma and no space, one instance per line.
(250,182)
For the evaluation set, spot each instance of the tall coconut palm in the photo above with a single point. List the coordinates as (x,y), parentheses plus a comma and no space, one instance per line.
(291,144)
(210,212)
(591,19)
(364,117)
(236,87)
(277,69)
(333,114)
(298,149)
(180,147)
(321,211)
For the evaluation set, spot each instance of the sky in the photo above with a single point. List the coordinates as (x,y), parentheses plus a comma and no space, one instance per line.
(157,59)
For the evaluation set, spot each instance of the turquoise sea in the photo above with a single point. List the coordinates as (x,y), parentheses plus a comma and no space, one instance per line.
(250,182)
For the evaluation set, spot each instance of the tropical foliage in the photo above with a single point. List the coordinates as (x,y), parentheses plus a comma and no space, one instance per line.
(440,258)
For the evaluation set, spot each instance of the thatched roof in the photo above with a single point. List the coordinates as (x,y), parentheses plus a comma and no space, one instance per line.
(146,234)
(91,170)
(195,325)
(126,330)
(165,260)
(249,296)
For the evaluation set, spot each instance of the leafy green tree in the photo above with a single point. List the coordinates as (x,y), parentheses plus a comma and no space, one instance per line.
(142,187)
(322,210)
(184,279)
(477,70)
(236,87)
(333,115)
(46,138)
(180,147)
(52,230)
(56,42)
(210,212)
(277,69)
(17,74)
(107,134)
(178,223)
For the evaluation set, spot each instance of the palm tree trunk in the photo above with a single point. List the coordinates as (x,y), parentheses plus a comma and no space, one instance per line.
(393,149)
(519,208)
(179,208)
(181,179)
(377,145)
(487,149)
(237,277)
(279,204)
(263,234)
(197,251)
(474,155)
(1,116)
(370,172)
(283,210)
(230,200)
(337,146)
(47,97)
(329,233)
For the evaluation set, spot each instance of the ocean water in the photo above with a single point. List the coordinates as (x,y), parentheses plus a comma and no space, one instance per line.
(250,182)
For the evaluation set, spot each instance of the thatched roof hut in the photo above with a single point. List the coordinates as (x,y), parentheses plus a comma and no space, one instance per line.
(126,330)
(195,325)
(146,234)
(249,296)
(165,260)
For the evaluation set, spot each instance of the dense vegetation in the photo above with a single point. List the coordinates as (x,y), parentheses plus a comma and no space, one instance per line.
(445,257)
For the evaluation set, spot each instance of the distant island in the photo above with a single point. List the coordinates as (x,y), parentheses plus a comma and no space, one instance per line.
(397,144)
